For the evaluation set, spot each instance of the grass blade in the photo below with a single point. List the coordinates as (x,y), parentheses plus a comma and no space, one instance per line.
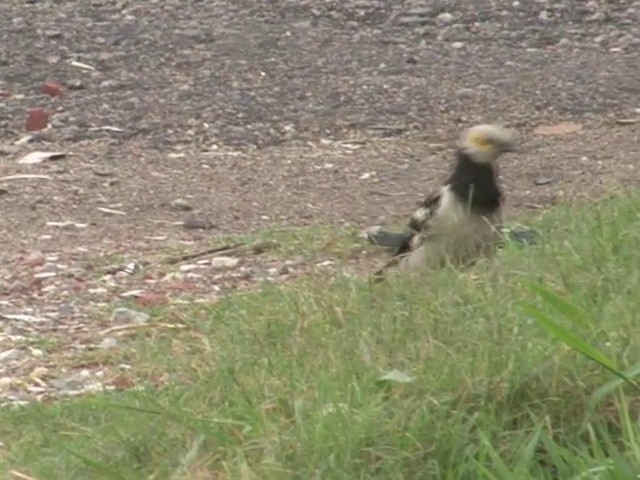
(612,385)
(100,467)
(562,306)
(575,342)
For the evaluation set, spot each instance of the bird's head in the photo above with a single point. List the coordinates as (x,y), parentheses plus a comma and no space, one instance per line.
(485,143)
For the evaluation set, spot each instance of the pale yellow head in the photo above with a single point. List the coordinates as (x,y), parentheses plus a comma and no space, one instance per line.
(485,143)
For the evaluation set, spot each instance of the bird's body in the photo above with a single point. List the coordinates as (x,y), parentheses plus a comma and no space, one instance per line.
(459,223)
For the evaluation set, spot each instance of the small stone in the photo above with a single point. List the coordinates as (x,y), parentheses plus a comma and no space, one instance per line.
(57,122)
(284,270)
(296,261)
(198,224)
(181,204)
(126,316)
(457,45)
(543,181)
(466,93)
(445,17)
(189,268)
(325,263)
(600,39)
(543,15)
(53,34)
(10,355)
(224,262)
(45,275)
(36,352)
(564,42)
(103,172)
(108,343)
(73,133)
(412,21)
(76,382)
(75,85)
(65,311)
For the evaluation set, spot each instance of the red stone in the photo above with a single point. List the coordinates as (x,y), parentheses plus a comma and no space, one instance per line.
(37,119)
(52,89)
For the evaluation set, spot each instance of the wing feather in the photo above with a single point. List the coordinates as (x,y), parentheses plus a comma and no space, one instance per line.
(418,224)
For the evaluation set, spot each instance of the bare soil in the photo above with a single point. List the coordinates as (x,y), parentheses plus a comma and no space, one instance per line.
(279,113)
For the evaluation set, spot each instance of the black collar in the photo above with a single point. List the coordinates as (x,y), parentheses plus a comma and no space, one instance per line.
(475,184)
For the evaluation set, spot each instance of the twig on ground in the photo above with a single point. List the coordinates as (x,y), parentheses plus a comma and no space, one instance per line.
(204,253)
(136,326)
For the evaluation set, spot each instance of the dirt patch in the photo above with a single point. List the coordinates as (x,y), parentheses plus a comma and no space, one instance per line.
(246,115)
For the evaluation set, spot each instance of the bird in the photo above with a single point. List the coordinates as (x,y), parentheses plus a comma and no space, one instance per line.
(460,222)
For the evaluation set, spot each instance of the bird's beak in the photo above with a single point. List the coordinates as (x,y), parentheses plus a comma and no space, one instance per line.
(511,149)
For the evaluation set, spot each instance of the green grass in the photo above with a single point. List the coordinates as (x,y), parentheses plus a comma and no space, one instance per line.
(284,383)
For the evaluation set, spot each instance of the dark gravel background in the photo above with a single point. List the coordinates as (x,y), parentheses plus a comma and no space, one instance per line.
(271,90)
(262,73)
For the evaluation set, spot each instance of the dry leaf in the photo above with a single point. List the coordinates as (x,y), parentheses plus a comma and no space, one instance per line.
(25,177)
(628,121)
(39,157)
(558,129)
(84,66)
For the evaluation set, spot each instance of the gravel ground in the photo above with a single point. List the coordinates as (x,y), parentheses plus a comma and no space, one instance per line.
(244,115)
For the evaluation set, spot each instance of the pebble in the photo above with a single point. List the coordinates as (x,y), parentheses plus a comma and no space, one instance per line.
(412,20)
(10,355)
(45,275)
(188,268)
(224,262)
(77,382)
(445,17)
(126,316)
(53,34)
(181,204)
(198,224)
(457,45)
(466,93)
(108,343)
(75,85)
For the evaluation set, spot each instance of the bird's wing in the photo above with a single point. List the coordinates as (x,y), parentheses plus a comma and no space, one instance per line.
(421,216)
(418,225)
(419,221)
